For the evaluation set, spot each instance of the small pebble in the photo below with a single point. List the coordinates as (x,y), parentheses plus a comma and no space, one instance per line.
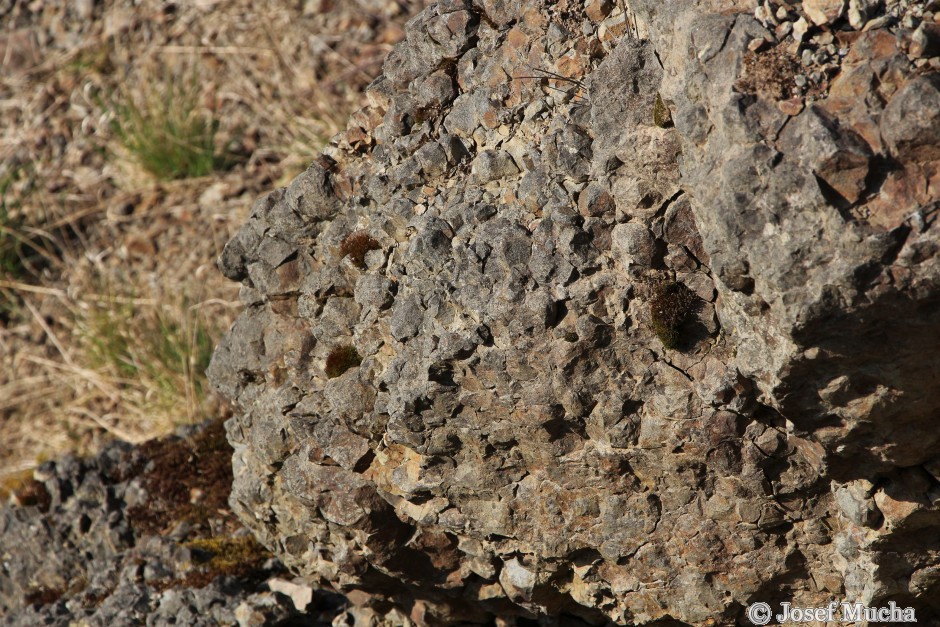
(792,106)
(762,14)
(800,80)
(807,57)
(878,22)
(756,45)
(799,29)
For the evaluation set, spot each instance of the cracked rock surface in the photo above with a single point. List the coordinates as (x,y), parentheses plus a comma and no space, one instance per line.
(533,428)
(138,535)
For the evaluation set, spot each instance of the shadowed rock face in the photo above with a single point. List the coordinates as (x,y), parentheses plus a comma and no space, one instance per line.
(516,439)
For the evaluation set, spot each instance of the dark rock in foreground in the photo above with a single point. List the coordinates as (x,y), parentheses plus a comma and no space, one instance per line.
(140,535)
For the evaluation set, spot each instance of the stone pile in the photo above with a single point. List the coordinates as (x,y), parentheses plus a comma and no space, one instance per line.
(817,35)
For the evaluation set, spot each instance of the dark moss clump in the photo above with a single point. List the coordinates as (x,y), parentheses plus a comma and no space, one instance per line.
(341,359)
(670,303)
(43,596)
(356,245)
(34,493)
(662,117)
(187,480)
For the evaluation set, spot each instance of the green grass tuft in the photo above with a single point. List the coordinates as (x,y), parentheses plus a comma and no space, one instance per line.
(17,246)
(168,133)
(163,352)
(11,245)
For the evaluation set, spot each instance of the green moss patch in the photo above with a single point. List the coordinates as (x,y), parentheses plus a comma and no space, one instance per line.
(662,116)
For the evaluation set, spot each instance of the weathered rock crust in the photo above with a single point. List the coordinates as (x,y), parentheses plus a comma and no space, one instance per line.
(516,439)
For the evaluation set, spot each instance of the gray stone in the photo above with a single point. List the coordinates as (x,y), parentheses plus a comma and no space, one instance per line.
(633,245)
(911,121)
(374,291)
(491,165)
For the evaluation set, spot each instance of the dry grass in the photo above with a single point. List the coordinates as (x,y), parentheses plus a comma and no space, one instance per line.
(110,227)
(161,124)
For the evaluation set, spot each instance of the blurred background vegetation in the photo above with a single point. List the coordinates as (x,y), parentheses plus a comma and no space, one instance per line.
(134,137)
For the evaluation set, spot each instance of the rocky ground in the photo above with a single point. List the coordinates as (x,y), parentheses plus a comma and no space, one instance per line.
(143,535)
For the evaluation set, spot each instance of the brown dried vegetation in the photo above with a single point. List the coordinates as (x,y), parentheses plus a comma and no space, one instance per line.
(769,73)
(186,481)
(356,245)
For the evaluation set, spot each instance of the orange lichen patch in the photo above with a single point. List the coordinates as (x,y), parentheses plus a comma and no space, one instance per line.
(186,480)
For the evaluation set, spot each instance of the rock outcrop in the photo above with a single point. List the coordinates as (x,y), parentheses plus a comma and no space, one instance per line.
(609,312)
(139,535)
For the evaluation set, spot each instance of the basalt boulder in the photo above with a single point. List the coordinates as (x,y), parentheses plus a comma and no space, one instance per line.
(646,330)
